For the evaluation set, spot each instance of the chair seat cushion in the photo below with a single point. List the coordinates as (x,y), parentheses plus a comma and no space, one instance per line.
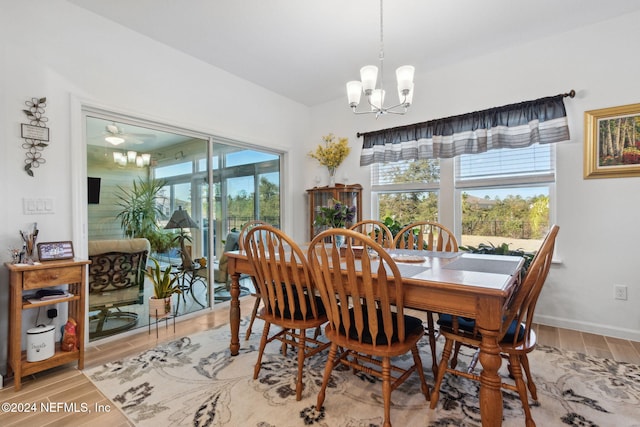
(468,325)
(412,325)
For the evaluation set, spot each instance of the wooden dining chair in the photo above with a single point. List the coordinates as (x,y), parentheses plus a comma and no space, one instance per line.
(376,230)
(288,293)
(426,235)
(362,291)
(516,338)
(256,294)
(430,236)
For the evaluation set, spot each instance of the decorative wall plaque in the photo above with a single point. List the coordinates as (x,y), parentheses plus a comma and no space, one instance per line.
(35,134)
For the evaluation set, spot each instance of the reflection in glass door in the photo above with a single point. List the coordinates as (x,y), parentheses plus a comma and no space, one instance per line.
(185,178)
(125,154)
(145,173)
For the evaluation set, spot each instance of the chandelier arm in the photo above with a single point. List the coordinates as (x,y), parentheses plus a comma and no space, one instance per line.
(402,104)
(400,113)
(379,111)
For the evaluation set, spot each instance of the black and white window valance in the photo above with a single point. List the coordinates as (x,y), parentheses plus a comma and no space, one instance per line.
(518,125)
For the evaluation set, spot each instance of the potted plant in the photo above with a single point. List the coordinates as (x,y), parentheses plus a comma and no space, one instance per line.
(331,154)
(140,210)
(337,216)
(165,284)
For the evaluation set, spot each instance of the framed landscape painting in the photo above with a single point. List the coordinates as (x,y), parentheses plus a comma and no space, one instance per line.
(612,142)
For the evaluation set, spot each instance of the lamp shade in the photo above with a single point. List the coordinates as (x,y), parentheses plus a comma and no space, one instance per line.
(407,98)
(131,156)
(354,91)
(404,76)
(180,219)
(368,75)
(377,99)
(115,140)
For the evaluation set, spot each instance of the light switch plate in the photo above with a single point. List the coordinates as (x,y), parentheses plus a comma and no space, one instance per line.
(37,206)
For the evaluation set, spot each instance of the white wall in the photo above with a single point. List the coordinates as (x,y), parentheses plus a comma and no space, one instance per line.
(598,219)
(53,49)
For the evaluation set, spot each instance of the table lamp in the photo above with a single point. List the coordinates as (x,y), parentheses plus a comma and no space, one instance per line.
(181,219)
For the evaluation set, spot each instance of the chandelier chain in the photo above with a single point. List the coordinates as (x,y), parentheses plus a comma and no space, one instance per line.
(381,49)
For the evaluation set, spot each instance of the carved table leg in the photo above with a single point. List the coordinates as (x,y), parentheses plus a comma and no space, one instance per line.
(234,314)
(490,391)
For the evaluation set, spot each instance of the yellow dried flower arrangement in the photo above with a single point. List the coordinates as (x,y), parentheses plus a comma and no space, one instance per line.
(332,153)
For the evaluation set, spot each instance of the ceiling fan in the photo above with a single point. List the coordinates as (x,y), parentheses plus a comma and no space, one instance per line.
(116,135)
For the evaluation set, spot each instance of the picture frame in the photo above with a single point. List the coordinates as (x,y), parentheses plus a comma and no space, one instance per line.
(612,142)
(52,251)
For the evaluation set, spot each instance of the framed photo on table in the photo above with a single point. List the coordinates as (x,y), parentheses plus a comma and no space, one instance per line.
(51,251)
(612,142)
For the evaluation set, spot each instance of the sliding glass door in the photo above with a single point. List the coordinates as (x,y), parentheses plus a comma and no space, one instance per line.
(219,184)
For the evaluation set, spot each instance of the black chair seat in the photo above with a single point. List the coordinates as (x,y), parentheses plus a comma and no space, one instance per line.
(411,325)
(468,325)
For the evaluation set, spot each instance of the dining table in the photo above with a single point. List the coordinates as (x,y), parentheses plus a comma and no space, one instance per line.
(478,286)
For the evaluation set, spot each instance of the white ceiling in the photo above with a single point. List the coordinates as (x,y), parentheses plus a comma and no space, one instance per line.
(135,137)
(307,51)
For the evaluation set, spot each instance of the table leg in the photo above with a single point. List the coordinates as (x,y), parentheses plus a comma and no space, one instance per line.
(490,384)
(234,314)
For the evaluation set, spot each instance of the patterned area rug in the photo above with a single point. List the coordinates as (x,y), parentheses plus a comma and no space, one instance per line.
(194,381)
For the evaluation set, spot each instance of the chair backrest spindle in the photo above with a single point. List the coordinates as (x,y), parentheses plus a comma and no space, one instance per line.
(368,278)
(281,273)
(376,230)
(426,235)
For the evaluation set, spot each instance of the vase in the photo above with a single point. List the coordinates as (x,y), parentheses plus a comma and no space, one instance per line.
(339,240)
(332,177)
(160,307)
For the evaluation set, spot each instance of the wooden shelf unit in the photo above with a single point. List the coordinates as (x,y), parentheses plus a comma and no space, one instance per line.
(350,195)
(30,278)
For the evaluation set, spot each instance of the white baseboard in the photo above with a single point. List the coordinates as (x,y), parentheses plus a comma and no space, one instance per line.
(594,328)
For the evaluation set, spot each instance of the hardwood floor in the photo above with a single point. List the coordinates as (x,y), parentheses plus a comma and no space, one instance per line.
(66,385)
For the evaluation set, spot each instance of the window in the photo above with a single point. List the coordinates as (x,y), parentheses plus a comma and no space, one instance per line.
(501,196)
(407,191)
(504,196)
(246,185)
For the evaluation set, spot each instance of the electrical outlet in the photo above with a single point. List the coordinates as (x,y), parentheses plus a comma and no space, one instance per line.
(620,292)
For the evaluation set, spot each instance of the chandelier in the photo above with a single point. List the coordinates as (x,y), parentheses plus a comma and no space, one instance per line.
(132,157)
(375,97)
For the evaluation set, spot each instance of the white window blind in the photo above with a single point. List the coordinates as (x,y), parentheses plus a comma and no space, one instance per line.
(406,174)
(506,166)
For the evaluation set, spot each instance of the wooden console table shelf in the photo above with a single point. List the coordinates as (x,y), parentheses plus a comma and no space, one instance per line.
(30,278)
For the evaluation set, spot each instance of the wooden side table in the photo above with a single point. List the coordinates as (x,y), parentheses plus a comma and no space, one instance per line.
(44,275)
